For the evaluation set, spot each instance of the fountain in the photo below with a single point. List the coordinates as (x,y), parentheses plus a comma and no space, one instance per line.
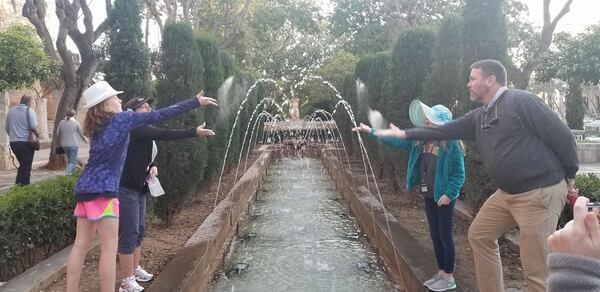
(291,230)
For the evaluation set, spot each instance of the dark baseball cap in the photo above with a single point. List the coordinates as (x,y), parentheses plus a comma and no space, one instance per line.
(136,102)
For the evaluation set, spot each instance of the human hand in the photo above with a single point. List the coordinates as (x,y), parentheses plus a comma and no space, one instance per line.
(153,171)
(202,132)
(393,131)
(581,236)
(444,200)
(206,101)
(572,192)
(361,128)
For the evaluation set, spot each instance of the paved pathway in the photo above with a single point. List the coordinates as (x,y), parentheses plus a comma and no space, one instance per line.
(7,177)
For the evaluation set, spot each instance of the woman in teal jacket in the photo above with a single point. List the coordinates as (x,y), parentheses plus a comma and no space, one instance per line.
(437,170)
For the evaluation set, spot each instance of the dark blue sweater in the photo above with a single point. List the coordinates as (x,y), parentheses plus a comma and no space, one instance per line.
(102,174)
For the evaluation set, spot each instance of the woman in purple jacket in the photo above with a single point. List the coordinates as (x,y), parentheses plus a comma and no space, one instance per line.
(96,191)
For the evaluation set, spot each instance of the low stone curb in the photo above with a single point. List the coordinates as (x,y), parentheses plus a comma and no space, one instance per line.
(42,275)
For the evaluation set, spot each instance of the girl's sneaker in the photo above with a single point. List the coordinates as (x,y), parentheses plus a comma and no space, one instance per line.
(130,285)
(443,284)
(433,279)
(142,276)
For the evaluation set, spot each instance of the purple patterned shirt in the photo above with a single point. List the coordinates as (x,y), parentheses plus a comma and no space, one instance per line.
(108,150)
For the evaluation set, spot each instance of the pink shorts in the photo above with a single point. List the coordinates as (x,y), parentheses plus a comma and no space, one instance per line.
(97,208)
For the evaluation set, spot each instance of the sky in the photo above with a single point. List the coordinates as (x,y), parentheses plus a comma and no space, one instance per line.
(582,14)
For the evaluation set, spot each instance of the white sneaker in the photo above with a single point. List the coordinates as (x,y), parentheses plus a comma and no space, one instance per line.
(142,276)
(130,285)
(433,279)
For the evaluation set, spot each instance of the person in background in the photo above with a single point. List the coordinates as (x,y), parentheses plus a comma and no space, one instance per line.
(529,153)
(437,170)
(69,132)
(574,259)
(134,189)
(20,121)
(97,189)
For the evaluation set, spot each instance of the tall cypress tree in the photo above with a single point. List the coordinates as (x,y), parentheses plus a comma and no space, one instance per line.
(412,58)
(484,36)
(446,83)
(182,163)
(128,68)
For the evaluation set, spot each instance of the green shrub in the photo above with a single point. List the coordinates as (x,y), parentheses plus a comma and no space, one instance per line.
(35,221)
(589,186)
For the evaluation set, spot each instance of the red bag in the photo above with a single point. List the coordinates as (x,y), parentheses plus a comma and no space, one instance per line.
(571,200)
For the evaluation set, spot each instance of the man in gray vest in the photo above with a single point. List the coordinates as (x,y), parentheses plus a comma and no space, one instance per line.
(20,121)
(529,154)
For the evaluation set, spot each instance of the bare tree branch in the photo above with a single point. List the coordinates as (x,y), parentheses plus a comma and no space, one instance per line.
(156,15)
(524,76)
(235,19)
(35,11)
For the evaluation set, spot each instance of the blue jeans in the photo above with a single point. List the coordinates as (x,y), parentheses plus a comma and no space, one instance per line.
(71,153)
(440,227)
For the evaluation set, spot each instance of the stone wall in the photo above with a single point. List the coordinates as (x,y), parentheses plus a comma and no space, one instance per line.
(588,152)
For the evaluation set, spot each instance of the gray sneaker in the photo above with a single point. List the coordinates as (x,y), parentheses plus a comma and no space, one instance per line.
(443,284)
(433,279)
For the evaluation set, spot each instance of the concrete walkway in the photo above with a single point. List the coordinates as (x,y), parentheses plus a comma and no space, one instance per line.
(7,177)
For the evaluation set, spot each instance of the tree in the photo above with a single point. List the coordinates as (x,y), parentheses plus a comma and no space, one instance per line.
(522,77)
(76,77)
(484,37)
(369,26)
(411,61)
(182,162)
(128,68)
(575,61)
(446,82)
(22,59)
(214,75)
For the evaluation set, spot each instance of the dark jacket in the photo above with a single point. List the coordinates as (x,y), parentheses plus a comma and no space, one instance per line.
(523,143)
(139,153)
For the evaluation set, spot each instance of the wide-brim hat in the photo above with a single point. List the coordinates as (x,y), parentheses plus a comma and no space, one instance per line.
(98,93)
(136,102)
(420,112)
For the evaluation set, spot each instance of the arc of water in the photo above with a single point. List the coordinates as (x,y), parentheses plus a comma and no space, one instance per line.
(241,107)
(366,155)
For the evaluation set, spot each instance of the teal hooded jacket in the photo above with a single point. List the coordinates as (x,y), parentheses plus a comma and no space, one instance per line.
(450,170)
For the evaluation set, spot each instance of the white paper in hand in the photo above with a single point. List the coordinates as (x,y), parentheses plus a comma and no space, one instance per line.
(155,187)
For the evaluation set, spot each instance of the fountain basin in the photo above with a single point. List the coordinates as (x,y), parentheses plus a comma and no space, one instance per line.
(193,269)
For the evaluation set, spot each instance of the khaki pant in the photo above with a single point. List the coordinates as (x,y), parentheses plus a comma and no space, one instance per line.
(536,214)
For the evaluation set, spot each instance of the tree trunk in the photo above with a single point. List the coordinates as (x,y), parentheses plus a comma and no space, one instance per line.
(70,99)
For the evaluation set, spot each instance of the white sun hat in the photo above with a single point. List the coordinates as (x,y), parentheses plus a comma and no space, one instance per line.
(420,112)
(98,93)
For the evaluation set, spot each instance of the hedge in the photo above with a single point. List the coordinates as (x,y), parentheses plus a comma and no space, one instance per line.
(35,221)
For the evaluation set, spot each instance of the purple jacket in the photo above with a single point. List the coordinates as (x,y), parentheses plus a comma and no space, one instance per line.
(108,150)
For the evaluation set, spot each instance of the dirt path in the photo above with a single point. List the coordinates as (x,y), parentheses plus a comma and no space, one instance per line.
(161,243)
(409,209)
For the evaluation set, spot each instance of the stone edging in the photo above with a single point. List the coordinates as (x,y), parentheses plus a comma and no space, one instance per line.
(42,275)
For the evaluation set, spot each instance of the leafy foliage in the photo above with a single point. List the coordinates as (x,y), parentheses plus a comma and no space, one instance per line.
(22,59)
(35,221)
(183,162)
(128,68)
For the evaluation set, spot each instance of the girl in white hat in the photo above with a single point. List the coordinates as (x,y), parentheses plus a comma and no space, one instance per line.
(437,170)
(96,191)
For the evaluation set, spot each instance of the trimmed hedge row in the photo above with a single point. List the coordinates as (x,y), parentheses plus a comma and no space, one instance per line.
(35,221)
